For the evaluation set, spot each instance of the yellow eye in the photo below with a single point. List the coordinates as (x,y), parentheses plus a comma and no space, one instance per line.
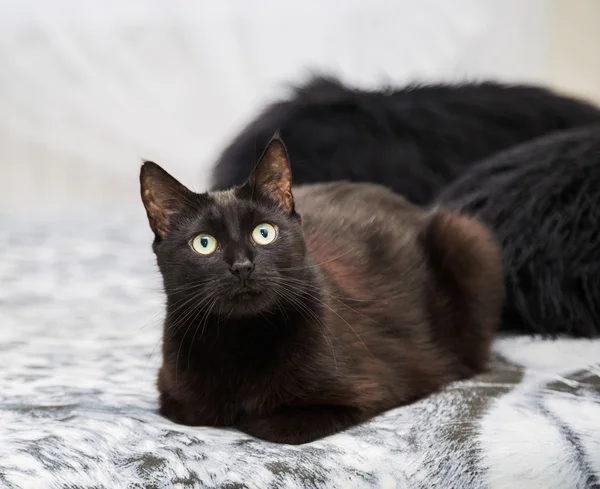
(204,244)
(264,234)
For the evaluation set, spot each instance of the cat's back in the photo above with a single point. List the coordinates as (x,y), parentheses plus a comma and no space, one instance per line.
(351,208)
(363,235)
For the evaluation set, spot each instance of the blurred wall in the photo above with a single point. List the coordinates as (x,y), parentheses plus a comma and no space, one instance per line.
(89,88)
(574,61)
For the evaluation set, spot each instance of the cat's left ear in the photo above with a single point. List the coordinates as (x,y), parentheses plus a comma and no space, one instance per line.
(272,176)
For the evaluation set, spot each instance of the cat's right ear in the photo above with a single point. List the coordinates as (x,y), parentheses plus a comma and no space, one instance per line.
(163,197)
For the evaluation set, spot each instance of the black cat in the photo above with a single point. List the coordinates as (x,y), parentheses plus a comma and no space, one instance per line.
(294,315)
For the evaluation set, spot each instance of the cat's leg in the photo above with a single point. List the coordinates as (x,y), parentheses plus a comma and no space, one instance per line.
(467,300)
(298,425)
(183,406)
(170,405)
(175,410)
(195,413)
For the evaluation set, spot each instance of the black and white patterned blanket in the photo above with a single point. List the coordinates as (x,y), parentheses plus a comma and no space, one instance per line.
(80,325)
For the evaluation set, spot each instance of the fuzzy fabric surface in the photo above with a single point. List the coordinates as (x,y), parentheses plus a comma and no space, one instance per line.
(81,309)
(542,200)
(414,139)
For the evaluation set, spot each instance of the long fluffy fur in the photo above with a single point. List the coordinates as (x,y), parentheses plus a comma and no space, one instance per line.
(542,199)
(414,140)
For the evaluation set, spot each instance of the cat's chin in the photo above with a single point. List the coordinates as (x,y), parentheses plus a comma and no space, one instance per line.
(249,302)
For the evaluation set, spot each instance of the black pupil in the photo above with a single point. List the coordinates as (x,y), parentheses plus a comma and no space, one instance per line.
(264,232)
(204,242)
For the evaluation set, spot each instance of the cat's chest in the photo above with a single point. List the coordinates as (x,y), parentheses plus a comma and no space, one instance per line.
(246,375)
(239,387)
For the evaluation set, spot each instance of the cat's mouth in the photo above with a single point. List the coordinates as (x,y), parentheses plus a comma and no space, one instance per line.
(245,293)
(250,298)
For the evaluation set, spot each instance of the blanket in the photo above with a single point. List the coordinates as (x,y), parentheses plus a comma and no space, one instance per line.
(80,331)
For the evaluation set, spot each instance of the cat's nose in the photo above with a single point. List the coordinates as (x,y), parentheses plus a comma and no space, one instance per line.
(242,269)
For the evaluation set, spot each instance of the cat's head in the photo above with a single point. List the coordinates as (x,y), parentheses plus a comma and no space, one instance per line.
(235,250)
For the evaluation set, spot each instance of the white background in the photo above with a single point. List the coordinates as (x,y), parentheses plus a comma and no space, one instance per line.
(89,88)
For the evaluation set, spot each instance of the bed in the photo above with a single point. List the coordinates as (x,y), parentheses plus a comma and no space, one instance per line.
(80,314)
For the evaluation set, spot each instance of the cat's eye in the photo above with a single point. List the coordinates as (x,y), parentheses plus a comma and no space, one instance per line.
(204,244)
(264,234)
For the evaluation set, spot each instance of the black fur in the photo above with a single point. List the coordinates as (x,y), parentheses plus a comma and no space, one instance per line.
(350,304)
(414,140)
(543,201)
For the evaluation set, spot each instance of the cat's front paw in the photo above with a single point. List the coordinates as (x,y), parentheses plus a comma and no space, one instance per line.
(275,430)
(296,426)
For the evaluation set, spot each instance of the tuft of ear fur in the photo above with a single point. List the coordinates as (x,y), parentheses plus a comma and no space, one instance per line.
(163,197)
(272,176)
(468,285)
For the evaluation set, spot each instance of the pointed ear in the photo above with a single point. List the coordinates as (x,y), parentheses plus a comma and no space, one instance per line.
(272,176)
(163,197)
